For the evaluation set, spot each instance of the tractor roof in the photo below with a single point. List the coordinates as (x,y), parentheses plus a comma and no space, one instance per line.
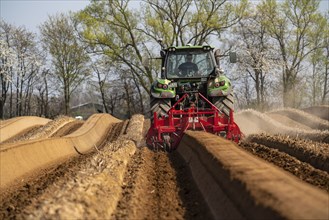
(206,47)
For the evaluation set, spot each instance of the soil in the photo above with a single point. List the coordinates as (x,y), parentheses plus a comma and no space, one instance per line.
(302,170)
(159,186)
(150,188)
(123,179)
(67,129)
(321,111)
(59,127)
(22,135)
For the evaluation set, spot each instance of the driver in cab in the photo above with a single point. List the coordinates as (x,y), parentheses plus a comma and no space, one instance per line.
(188,67)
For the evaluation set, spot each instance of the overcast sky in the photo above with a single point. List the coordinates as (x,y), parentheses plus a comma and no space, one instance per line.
(31,13)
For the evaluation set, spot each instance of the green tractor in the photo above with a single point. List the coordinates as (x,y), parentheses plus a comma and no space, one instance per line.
(191,94)
(190,69)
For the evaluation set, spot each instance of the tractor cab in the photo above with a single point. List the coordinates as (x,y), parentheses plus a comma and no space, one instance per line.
(188,62)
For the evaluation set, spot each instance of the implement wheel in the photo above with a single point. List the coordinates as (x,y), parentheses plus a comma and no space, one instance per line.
(224,103)
(160,106)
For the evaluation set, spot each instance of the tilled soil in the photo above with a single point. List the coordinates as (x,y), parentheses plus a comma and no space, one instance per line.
(159,185)
(293,140)
(321,111)
(288,154)
(123,179)
(117,181)
(59,127)
(22,135)
(67,129)
(253,122)
(305,118)
(21,201)
(302,170)
(314,153)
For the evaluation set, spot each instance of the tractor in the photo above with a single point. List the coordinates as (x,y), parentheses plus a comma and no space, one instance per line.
(192,94)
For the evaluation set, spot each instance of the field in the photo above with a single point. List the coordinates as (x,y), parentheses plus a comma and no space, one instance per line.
(101,169)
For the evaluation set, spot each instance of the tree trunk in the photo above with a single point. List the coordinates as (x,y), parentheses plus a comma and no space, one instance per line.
(326,79)
(289,98)
(66,98)
(325,86)
(11,101)
(101,88)
(46,101)
(139,94)
(3,98)
(126,87)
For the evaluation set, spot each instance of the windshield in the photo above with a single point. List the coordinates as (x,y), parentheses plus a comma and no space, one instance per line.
(189,64)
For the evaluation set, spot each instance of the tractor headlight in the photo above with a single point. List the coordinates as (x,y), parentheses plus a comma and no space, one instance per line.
(219,84)
(206,47)
(162,86)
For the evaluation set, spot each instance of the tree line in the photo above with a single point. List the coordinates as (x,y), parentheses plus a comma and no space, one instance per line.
(98,54)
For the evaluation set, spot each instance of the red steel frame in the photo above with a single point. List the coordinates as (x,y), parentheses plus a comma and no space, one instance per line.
(168,131)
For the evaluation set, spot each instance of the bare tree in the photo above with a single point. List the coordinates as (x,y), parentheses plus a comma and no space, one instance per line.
(20,76)
(181,22)
(255,52)
(325,94)
(7,61)
(290,23)
(43,96)
(68,56)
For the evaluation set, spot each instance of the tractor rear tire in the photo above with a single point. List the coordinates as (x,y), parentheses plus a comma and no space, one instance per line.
(160,106)
(224,103)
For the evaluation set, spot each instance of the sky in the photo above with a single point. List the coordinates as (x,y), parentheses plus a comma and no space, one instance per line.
(32,13)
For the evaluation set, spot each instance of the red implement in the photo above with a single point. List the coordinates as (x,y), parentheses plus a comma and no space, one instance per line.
(167,131)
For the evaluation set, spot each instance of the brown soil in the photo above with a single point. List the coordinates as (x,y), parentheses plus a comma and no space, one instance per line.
(11,128)
(123,179)
(156,185)
(288,122)
(159,186)
(50,183)
(59,127)
(253,122)
(305,118)
(23,135)
(321,111)
(67,129)
(314,153)
(302,170)
(242,186)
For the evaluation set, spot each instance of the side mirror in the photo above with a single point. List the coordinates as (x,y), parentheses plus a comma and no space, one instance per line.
(162,53)
(217,56)
(233,57)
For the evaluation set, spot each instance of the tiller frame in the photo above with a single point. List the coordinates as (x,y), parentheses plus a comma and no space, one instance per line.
(167,131)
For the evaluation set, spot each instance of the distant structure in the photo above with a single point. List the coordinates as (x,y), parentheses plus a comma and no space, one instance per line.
(86,110)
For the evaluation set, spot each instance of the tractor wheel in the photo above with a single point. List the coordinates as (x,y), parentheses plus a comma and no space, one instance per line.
(224,103)
(160,106)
